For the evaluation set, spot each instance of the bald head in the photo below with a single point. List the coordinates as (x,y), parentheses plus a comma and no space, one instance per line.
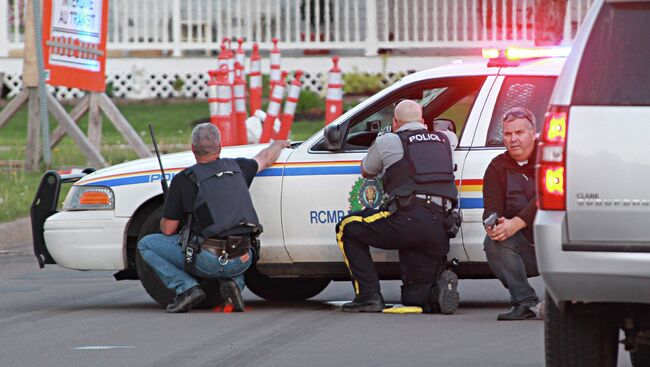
(407,111)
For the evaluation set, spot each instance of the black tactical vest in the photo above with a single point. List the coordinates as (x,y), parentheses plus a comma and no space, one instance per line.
(426,167)
(222,200)
(520,189)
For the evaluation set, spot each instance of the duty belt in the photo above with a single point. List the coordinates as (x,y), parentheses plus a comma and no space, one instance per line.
(229,248)
(427,200)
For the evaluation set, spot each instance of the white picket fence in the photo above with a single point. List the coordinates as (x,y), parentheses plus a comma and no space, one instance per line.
(178,26)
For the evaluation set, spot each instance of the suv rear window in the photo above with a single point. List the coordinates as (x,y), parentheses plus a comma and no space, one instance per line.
(614,67)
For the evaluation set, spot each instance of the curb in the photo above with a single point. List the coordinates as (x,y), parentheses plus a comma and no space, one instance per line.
(16,235)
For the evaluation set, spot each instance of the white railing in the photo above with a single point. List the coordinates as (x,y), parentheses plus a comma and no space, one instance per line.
(188,25)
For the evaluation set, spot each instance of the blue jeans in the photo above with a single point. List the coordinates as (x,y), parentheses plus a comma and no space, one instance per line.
(164,255)
(511,261)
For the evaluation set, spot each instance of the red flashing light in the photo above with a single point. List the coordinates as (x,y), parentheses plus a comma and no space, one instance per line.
(551,160)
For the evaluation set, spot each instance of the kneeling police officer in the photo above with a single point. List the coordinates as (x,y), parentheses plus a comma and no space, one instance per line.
(220,223)
(418,175)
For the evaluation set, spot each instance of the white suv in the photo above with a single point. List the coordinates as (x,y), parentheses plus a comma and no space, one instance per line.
(592,232)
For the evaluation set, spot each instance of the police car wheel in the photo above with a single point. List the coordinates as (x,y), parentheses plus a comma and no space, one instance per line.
(283,289)
(579,339)
(154,286)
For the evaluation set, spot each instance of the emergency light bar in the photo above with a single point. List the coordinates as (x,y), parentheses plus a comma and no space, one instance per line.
(512,56)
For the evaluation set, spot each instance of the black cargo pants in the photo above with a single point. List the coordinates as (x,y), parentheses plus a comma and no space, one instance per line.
(417,233)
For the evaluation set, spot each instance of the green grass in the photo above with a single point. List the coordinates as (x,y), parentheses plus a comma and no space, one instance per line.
(173,123)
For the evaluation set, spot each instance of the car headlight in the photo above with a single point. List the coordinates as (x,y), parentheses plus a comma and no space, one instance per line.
(90,198)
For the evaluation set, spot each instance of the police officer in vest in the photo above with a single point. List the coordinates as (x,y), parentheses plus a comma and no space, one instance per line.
(212,198)
(417,171)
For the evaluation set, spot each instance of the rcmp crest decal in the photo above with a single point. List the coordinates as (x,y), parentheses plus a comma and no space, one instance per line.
(366,193)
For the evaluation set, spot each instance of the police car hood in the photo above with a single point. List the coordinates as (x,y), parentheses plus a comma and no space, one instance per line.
(170,162)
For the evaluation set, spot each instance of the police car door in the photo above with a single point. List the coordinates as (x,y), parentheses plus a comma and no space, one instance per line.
(321,184)
(529,91)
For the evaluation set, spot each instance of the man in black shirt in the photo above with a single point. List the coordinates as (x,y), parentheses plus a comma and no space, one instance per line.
(227,206)
(509,191)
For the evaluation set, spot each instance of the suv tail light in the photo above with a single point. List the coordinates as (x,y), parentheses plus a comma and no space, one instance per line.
(551,160)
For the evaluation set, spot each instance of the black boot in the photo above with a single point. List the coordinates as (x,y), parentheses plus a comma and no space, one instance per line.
(183,302)
(518,312)
(446,292)
(373,302)
(232,295)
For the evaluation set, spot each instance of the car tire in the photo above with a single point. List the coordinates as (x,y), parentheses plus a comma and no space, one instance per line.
(283,289)
(640,357)
(579,339)
(152,283)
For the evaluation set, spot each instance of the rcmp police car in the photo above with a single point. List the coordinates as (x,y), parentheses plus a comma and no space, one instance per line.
(311,186)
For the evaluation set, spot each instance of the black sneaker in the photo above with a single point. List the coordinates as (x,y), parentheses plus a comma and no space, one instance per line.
(518,312)
(447,289)
(365,303)
(185,301)
(232,295)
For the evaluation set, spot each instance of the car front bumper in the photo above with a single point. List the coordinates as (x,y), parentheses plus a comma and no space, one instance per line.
(86,240)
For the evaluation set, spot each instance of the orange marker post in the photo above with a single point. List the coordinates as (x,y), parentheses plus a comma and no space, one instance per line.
(290,107)
(275,64)
(255,81)
(240,55)
(224,117)
(334,99)
(213,102)
(240,104)
(277,94)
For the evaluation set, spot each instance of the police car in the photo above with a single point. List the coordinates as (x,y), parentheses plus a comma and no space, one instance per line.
(310,187)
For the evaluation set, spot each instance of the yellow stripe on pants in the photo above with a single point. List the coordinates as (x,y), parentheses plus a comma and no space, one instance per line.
(339,237)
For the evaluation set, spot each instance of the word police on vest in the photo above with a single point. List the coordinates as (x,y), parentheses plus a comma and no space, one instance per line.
(424,137)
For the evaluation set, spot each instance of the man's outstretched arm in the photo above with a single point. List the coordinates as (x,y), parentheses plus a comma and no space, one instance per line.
(270,154)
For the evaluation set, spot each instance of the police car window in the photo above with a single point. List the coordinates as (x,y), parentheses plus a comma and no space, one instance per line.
(615,67)
(532,93)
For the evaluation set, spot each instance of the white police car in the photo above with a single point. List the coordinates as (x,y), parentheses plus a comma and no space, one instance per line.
(311,186)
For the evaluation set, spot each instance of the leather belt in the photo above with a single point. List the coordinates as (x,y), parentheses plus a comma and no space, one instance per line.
(424,199)
(230,248)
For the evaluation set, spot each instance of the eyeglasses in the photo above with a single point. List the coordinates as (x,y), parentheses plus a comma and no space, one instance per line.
(518,113)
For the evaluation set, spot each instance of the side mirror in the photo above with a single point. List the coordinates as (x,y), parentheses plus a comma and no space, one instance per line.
(333,137)
(444,124)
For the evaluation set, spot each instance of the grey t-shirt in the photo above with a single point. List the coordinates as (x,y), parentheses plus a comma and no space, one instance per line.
(387,148)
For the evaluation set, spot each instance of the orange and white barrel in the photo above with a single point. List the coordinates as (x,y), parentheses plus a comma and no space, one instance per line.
(255,80)
(224,117)
(276,72)
(334,98)
(239,92)
(273,110)
(290,107)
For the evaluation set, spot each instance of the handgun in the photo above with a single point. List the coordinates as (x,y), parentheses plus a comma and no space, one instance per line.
(491,220)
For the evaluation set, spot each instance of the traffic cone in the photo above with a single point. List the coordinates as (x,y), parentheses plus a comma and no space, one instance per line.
(273,110)
(255,80)
(239,89)
(275,63)
(290,106)
(334,99)
(224,117)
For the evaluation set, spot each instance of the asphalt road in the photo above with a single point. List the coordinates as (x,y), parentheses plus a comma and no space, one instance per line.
(57,317)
